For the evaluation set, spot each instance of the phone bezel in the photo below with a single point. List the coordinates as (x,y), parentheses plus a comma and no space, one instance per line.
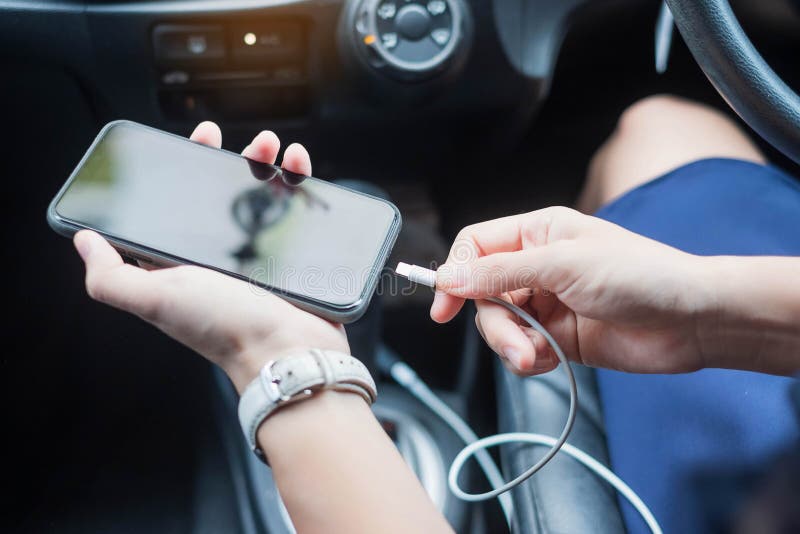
(334,312)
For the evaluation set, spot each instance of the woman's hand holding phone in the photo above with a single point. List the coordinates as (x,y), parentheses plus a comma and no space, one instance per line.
(335,437)
(225,320)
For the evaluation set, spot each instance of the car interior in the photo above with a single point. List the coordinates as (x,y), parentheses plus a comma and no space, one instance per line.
(458,111)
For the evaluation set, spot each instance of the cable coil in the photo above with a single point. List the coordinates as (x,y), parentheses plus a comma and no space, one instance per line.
(407,378)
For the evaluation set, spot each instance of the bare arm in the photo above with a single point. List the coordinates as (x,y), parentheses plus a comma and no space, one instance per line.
(752,320)
(337,470)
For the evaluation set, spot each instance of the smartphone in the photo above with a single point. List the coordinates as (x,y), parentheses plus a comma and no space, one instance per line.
(163,200)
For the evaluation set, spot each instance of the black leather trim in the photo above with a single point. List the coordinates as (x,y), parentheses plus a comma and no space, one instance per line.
(564,497)
(739,73)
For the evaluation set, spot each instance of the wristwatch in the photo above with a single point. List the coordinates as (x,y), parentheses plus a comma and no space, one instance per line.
(298,377)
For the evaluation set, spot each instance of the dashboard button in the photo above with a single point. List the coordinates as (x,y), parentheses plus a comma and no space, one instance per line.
(389,40)
(387,11)
(441,36)
(197,44)
(175,77)
(182,43)
(436,7)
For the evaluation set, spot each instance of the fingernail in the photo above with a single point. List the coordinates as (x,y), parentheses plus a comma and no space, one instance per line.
(544,361)
(513,355)
(84,246)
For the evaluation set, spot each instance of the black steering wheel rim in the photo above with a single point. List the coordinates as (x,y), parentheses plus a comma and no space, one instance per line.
(743,78)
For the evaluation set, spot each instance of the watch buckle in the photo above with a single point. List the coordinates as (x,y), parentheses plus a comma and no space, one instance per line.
(270,382)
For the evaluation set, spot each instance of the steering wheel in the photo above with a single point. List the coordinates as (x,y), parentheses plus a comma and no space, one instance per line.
(729,59)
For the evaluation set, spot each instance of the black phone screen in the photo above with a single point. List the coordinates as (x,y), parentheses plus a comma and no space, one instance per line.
(300,235)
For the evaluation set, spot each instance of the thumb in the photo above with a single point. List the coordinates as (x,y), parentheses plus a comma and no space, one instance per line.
(112,281)
(548,267)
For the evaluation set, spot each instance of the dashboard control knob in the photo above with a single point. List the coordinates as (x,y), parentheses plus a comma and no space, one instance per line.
(413,22)
(409,40)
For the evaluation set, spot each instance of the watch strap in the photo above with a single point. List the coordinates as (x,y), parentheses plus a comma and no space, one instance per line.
(298,377)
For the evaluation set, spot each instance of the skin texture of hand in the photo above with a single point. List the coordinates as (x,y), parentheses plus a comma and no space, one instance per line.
(611,298)
(224,319)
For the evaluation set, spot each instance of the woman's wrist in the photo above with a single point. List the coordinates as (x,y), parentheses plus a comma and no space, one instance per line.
(750,313)
(302,426)
(303,377)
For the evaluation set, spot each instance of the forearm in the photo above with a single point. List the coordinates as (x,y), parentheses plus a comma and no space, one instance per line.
(752,321)
(338,471)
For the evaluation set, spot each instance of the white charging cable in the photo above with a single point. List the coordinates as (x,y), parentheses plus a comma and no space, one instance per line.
(411,381)
(404,375)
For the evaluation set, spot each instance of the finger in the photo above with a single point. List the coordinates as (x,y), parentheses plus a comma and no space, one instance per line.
(546,359)
(504,335)
(508,234)
(207,133)
(472,242)
(445,307)
(521,298)
(544,302)
(297,160)
(553,268)
(502,358)
(263,148)
(112,281)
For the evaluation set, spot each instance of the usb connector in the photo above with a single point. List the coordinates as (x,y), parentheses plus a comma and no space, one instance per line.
(417,274)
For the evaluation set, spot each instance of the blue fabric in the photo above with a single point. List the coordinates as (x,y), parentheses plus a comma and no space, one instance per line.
(669,433)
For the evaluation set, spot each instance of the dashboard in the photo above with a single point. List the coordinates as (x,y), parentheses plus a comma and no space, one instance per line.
(310,66)
(336,74)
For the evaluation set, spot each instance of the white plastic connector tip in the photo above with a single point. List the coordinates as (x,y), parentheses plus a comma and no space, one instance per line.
(403,269)
(417,274)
